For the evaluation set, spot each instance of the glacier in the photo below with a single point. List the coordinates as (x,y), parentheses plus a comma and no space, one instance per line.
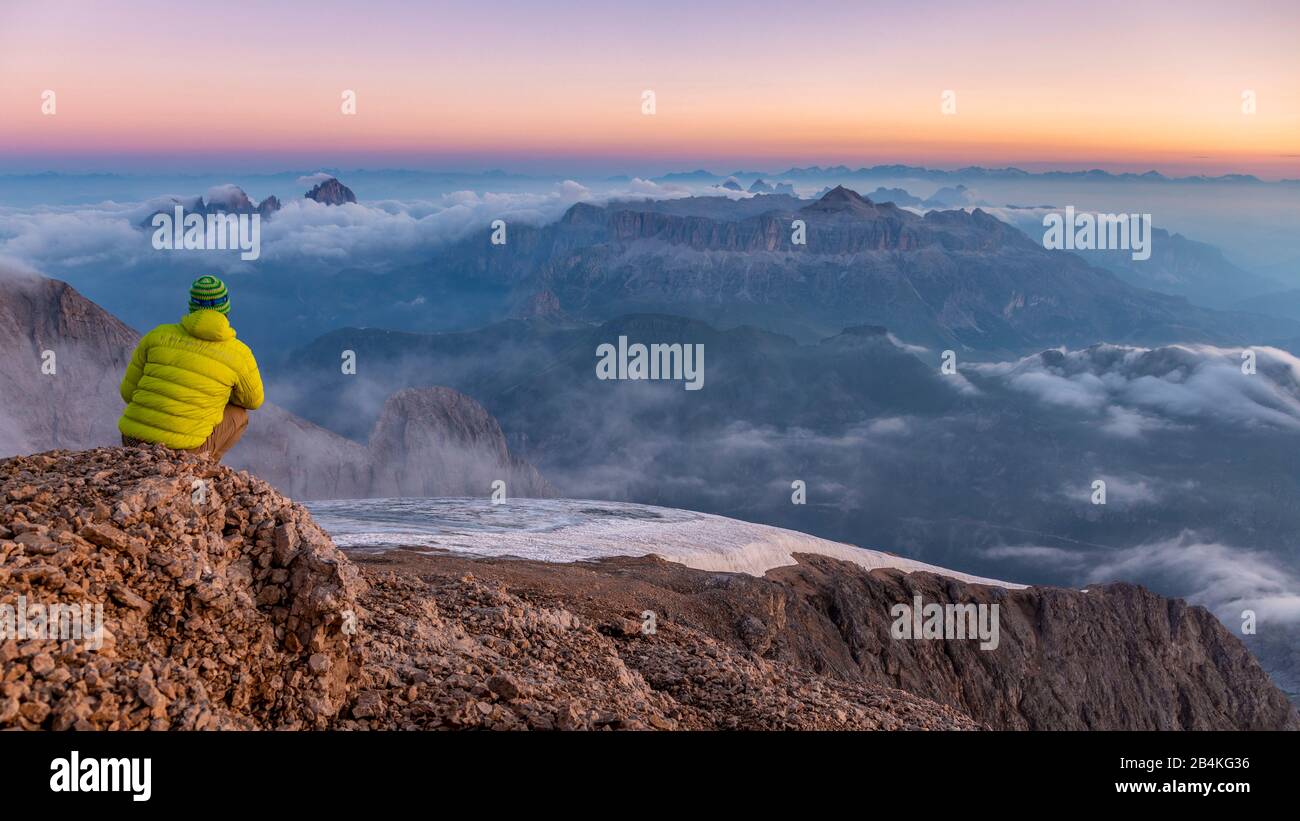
(571,530)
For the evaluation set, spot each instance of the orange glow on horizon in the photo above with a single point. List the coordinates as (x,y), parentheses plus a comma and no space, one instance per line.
(1160,91)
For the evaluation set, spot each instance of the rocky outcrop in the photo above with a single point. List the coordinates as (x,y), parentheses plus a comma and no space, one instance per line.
(268,206)
(224,606)
(220,603)
(459,652)
(426,442)
(1114,657)
(1117,657)
(439,442)
(68,356)
(331,192)
(229,198)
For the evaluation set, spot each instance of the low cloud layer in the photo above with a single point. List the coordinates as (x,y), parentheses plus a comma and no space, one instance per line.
(64,239)
(1223,578)
(1130,391)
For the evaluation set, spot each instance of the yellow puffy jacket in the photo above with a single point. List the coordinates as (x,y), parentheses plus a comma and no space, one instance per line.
(181,378)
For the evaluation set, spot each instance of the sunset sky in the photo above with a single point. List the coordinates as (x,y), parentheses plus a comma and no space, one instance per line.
(556,86)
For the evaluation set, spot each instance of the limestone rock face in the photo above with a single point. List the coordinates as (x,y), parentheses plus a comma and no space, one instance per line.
(439,442)
(1115,657)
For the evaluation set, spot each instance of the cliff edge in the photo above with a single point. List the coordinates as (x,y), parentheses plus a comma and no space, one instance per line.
(223,606)
(160,591)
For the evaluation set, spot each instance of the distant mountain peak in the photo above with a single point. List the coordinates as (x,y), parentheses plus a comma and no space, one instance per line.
(229,198)
(840,194)
(843,200)
(331,192)
(898,196)
(221,199)
(269,206)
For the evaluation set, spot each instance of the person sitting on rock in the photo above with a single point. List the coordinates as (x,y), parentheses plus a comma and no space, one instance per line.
(190,385)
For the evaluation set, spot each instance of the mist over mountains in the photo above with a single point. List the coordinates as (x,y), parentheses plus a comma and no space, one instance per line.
(403,223)
(990,470)
(1185,439)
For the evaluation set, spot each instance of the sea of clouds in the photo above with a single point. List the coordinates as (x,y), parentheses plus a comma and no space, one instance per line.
(1131,390)
(67,239)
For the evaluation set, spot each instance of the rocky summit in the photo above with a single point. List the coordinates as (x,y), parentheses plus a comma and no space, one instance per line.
(218,603)
(331,192)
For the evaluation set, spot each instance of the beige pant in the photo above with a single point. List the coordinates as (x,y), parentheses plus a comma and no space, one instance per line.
(234,421)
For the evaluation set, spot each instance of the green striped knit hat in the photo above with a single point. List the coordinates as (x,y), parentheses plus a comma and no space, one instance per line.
(209,292)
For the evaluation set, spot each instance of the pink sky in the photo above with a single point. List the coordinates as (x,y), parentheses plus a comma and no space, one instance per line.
(1119,85)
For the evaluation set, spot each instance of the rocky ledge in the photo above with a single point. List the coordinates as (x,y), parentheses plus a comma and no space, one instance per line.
(225,606)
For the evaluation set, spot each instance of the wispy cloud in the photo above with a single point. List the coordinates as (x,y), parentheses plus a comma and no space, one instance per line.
(1135,390)
(1223,578)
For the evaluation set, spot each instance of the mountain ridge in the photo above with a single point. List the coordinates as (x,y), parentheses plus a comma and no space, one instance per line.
(951,279)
